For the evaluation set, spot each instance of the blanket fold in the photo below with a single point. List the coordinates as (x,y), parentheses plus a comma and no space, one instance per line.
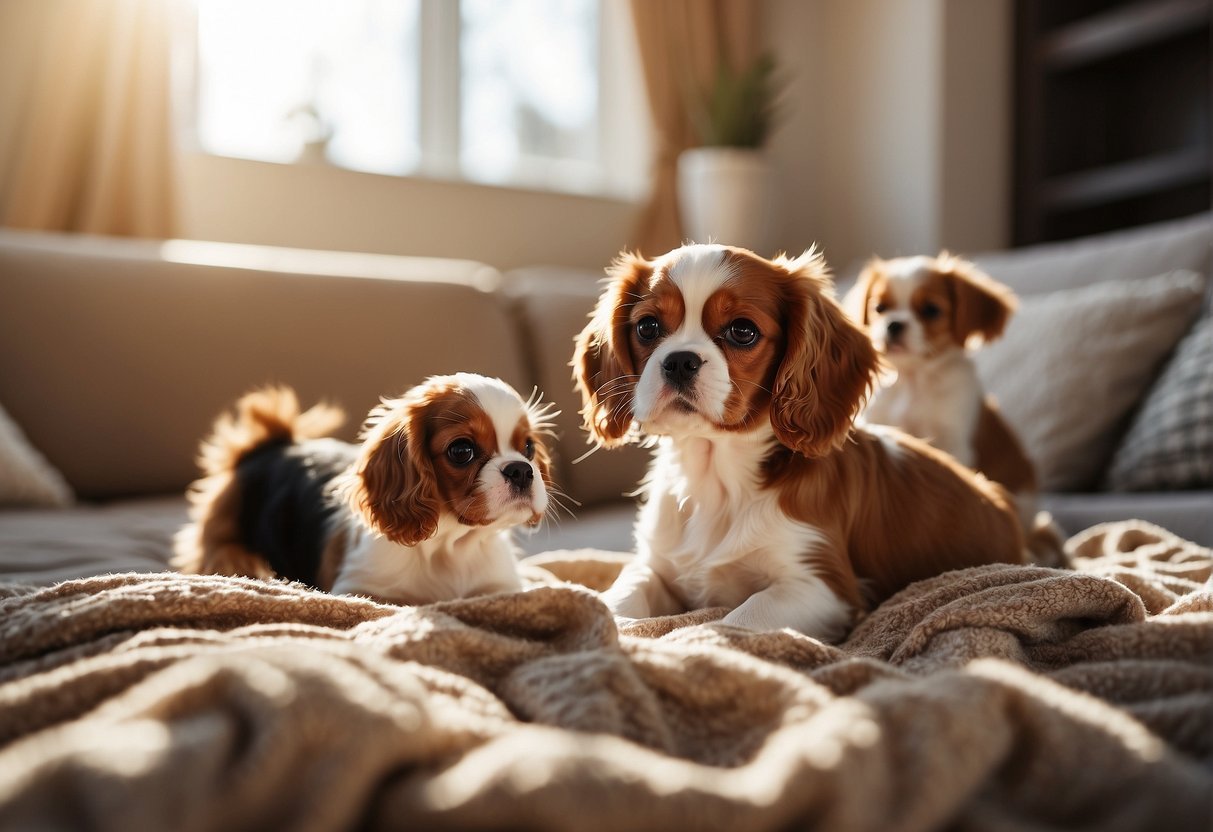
(998,697)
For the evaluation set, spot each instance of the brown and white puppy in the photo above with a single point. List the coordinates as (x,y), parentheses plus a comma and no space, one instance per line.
(923,313)
(763,495)
(420,511)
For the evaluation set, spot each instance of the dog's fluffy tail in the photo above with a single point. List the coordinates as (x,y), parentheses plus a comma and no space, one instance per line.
(270,414)
(210,543)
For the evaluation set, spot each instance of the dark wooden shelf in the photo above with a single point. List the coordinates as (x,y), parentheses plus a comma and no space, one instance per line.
(1138,177)
(1119,30)
(1113,114)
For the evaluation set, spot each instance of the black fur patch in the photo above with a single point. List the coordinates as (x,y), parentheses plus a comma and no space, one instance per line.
(286,505)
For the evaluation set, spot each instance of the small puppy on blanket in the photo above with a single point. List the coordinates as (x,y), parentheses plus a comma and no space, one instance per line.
(420,511)
(923,313)
(763,495)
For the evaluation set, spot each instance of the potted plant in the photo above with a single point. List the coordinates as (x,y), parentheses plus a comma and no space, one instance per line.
(724,184)
(314,132)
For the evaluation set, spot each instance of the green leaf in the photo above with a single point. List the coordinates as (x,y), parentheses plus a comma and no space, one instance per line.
(740,108)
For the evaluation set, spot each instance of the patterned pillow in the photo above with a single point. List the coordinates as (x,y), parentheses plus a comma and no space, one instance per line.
(1170,443)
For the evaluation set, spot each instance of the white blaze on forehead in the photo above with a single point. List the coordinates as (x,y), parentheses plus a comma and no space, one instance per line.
(904,275)
(504,407)
(907,268)
(500,402)
(697,271)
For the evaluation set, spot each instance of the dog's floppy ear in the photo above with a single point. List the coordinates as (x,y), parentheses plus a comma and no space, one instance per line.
(392,485)
(602,359)
(828,366)
(983,305)
(858,301)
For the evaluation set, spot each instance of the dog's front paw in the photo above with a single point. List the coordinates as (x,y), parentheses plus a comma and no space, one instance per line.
(626,606)
(741,618)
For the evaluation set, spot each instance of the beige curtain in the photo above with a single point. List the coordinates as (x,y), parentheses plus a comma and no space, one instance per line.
(682,43)
(88,141)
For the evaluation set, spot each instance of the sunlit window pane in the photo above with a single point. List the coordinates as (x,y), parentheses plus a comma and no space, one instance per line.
(342,75)
(343,81)
(529,86)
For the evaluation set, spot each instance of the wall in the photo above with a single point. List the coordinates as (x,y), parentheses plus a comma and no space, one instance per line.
(895,139)
(977,125)
(320,206)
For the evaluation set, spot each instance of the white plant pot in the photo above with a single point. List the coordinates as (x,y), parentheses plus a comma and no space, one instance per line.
(724,196)
(314,152)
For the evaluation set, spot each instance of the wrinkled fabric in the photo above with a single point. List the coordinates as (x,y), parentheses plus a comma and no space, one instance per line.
(1001,697)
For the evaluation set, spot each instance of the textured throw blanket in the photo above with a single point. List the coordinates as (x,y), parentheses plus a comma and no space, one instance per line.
(1005,698)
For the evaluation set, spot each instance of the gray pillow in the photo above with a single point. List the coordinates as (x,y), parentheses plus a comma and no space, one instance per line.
(1073,365)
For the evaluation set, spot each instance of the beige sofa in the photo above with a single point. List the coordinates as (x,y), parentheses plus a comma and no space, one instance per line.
(115,356)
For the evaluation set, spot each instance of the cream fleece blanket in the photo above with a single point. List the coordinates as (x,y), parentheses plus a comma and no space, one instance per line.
(1007,698)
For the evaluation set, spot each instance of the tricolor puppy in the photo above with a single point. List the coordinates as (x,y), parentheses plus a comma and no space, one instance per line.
(763,495)
(420,511)
(922,313)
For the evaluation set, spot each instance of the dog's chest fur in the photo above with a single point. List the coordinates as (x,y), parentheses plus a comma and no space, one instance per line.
(933,402)
(457,562)
(716,534)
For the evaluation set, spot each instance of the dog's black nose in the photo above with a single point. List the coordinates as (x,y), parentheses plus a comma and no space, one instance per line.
(895,329)
(520,475)
(680,367)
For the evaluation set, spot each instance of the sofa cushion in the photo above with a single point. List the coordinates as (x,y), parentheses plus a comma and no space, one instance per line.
(1170,442)
(115,357)
(1186,514)
(1121,255)
(552,305)
(1073,365)
(43,546)
(26,478)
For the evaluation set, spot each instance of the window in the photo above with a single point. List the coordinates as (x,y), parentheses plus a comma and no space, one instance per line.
(516,92)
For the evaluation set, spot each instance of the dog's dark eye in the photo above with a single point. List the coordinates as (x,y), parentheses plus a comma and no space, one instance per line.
(648,328)
(742,333)
(461,452)
(929,312)
(528,450)
(882,308)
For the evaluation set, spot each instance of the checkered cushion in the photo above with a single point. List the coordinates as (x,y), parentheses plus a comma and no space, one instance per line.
(1170,443)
